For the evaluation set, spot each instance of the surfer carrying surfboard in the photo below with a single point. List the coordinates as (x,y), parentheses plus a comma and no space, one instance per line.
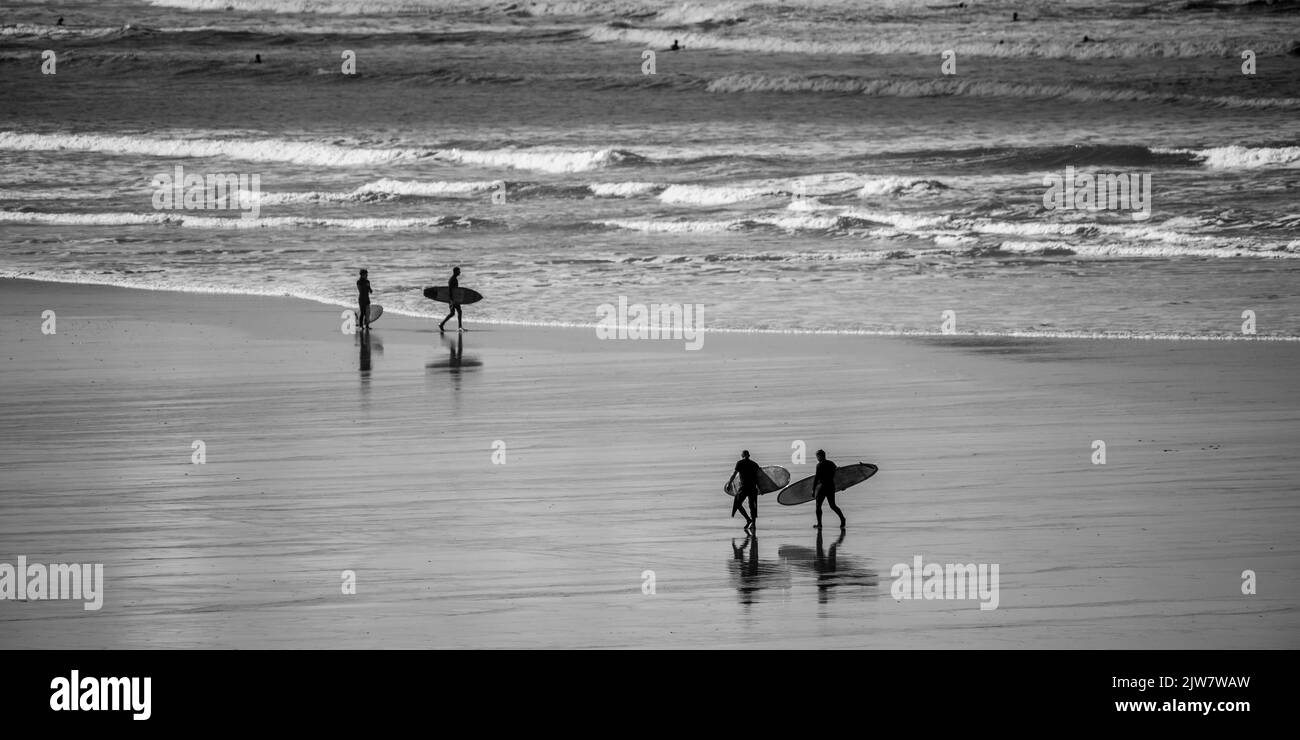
(363,301)
(748,470)
(824,487)
(452,285)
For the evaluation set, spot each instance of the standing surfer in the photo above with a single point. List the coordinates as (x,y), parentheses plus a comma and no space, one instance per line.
(748,471)
(452,286)
(824,487)
(363,301)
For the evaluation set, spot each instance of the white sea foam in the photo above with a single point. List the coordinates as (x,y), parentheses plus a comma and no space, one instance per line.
(788,222)
(309,153)
(703,195)
(267,198)
(543,160)
(388,186)
(654,226)
(807,204)
(174,218)
(255,150)
(622,189)
(903,221)
(1242,157)
(801,188)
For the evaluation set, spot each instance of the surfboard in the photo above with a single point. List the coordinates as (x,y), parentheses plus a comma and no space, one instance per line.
(375,311)
(464,296)
(801,491)
(770,478)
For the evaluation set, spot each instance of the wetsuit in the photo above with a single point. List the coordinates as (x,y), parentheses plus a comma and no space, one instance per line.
(363,301)
(748,471)
(452,285)
(826,489)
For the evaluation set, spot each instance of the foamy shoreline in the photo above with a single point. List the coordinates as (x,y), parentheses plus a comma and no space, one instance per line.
(956,335)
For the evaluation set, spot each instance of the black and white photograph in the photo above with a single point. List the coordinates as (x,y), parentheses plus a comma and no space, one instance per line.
(388,325)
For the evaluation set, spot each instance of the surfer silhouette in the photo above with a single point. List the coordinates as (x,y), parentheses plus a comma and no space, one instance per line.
(363,301)
(824,487)
(748,471)
(675,47)
(454,309)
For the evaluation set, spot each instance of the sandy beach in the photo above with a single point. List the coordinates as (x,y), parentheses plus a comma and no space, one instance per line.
(326,453)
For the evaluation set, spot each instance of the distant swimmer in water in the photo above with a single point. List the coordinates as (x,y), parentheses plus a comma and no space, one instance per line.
(60,23)
(452,285)
(675,47)
(824,487)
(1015,17)
(748,471)
(1087,40)
(257,59)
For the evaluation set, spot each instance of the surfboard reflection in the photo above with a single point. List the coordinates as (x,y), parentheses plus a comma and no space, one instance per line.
(751,575)
(834,573)
(456,361)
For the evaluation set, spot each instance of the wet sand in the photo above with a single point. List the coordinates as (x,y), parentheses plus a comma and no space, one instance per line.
(327,453)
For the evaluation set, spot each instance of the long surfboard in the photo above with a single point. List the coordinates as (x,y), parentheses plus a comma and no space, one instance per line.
(442,294)
(770,478)
(801,491)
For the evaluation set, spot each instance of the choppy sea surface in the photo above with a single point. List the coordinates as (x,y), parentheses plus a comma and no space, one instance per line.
(796,167)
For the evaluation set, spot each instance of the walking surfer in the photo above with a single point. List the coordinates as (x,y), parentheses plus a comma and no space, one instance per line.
(452,285)
(824,487)
(748,471)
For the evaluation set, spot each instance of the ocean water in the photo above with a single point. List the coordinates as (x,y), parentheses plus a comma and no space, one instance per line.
(802,167)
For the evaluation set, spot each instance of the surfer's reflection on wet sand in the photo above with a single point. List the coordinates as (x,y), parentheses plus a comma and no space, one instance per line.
(751,575)
(366,342)
(456,361)
(832,571)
